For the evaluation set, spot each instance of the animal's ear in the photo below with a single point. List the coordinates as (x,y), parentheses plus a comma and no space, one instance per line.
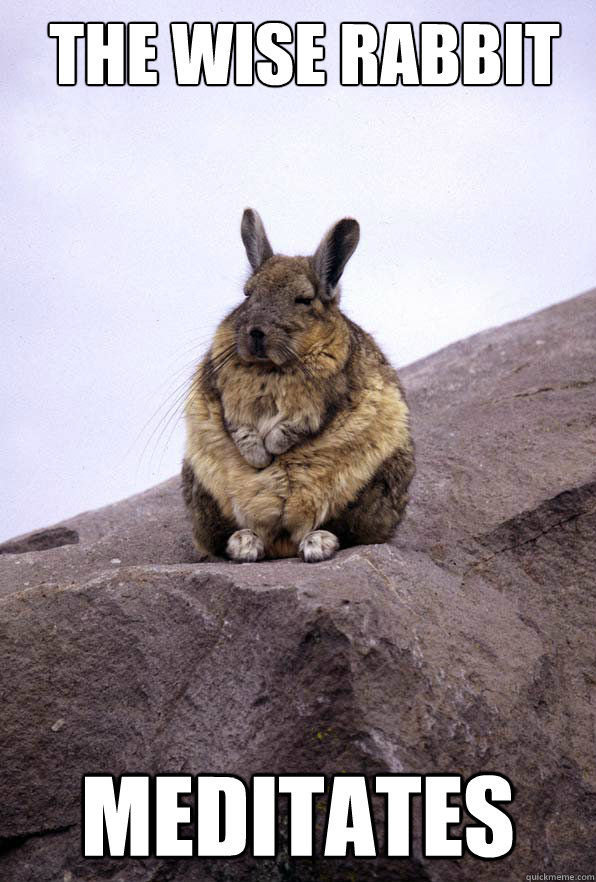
(333,253)
(258,249)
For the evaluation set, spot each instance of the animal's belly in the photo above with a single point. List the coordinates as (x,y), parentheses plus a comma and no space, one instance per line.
(258,498)
(278,499)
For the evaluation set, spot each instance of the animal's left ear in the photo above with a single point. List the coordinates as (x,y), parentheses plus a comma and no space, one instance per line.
(333,253)
(258,249)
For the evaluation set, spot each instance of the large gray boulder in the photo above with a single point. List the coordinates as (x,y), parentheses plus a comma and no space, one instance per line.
(465,645)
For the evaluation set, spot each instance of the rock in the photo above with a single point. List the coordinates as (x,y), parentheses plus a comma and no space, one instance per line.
(53,537)
(465,645)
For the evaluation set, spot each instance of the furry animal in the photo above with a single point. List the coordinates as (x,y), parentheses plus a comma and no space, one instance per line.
(297,427)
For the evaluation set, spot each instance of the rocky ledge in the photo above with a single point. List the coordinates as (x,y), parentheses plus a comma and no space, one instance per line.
(465,645)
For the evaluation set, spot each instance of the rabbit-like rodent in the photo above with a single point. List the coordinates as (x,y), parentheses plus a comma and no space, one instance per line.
(297,428)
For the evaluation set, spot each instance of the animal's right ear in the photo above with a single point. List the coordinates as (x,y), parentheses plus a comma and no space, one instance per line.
(333,253)
(258,249)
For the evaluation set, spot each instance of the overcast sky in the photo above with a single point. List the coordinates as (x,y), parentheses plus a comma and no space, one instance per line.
(121,247)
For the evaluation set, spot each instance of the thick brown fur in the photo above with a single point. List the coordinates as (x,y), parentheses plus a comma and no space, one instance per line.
(311,436)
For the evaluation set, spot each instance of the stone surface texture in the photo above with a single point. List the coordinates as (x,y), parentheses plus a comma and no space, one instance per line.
(464,645)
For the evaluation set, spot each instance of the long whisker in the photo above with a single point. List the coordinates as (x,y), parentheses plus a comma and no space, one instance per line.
(173,411)
(164,404)
(213,359)
(164,419)
(221,359)
(194,344)
(214,365)
(299,363)
(172,421)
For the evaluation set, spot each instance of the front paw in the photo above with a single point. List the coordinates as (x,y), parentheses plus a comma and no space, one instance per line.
(250,446)
(278,440)
(256,456)
(317,546)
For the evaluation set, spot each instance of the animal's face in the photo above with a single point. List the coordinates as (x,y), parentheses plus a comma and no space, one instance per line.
(282,312)
(289,300)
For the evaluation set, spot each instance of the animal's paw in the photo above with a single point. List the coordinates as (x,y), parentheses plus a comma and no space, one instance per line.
(256,456)
(278,440)
(318,545)
(245,546)
(250,445)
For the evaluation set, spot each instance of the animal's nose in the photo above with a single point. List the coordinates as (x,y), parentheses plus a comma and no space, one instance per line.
(257,341)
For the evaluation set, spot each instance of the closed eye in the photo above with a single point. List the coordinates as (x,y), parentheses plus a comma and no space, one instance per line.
(305,300)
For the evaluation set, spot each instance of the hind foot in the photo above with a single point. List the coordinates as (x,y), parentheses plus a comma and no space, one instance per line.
(244,546)
(318,545)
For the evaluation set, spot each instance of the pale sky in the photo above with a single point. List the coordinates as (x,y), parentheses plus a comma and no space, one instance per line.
(121,211)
